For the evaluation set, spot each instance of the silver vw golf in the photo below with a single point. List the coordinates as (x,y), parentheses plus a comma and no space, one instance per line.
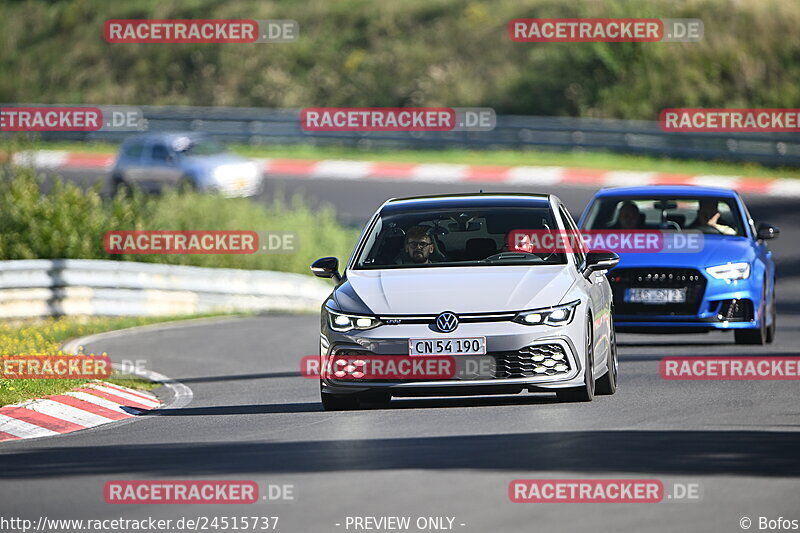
(434,302)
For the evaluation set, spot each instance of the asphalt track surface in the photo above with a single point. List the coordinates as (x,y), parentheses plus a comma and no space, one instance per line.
(254,418)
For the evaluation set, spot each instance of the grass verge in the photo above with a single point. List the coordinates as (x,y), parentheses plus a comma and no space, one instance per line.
(594,160)
(45,337)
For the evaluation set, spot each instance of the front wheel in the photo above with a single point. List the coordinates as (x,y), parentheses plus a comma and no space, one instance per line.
(756,336)
(608,383)
(119,186)
(187,184)
(584,393)
(774,326)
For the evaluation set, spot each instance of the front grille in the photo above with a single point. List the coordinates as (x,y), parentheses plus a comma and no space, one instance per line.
(657,278)
(532,361)
(540,360)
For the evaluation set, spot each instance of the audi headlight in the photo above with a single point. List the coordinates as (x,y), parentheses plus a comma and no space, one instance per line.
(346,322)
(730,271)
(559,315)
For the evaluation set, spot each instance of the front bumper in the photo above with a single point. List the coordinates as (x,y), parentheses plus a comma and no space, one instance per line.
(233,184)
(502,339)
(721,305)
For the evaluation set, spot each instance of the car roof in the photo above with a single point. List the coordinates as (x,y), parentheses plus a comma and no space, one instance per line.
(466,200)
(667,190)
(164,136)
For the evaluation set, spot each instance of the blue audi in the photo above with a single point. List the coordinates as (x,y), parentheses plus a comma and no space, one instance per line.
(724,280)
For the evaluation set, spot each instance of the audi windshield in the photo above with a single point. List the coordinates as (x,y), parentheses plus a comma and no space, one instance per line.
(709,215)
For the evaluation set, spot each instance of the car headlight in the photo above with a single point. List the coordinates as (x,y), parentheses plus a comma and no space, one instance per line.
(220,173)
(559,315)
(345,322)
(730,271)
(250,171)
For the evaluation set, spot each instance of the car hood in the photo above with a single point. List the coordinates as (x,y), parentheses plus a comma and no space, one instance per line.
(717,250)
(206,161)
(477,289)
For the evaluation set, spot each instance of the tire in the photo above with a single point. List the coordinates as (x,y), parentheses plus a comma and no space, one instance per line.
(753,336)
(607,384)
(772,329)
(584,393)
(332,402)
(120,186)
(187,184)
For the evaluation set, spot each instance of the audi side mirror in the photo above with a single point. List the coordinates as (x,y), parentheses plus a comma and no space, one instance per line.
(598,261)
(326,267)
(767,231)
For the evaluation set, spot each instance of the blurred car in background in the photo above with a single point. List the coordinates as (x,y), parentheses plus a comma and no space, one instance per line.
(727,283)
(156,160)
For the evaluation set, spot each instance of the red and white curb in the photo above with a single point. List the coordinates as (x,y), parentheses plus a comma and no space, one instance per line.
(93,405)
(98,402)
(450,173)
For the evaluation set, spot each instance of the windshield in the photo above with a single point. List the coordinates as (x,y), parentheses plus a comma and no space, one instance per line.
(464,237)
(197,147)
(709,215)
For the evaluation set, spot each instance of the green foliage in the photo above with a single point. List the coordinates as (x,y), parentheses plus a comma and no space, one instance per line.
(66,222)
(415,52)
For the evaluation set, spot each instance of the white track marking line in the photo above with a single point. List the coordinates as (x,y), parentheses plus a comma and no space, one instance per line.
(439,173)
(142,394)
(615,178)
(131,397)
(22,429)
(67,412)
(342,169)
(724,182)
(784,187)
(97,400)
(534,175)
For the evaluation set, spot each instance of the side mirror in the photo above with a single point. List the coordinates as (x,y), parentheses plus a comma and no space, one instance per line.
(596,261)
(767,231)
(326,267)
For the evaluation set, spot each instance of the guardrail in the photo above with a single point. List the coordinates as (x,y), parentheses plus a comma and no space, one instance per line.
(58,287)
(282,126)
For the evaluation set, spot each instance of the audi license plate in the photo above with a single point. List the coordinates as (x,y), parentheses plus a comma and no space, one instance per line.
(656,296)
(449,346)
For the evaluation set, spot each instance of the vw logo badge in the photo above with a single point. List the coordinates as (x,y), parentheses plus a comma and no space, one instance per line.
(446,322)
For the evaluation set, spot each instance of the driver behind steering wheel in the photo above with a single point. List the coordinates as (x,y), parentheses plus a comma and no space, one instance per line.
(419,247)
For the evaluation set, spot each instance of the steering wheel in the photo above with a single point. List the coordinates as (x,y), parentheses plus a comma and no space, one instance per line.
(670,224)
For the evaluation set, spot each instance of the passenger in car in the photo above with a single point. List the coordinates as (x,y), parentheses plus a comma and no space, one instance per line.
(708,218)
